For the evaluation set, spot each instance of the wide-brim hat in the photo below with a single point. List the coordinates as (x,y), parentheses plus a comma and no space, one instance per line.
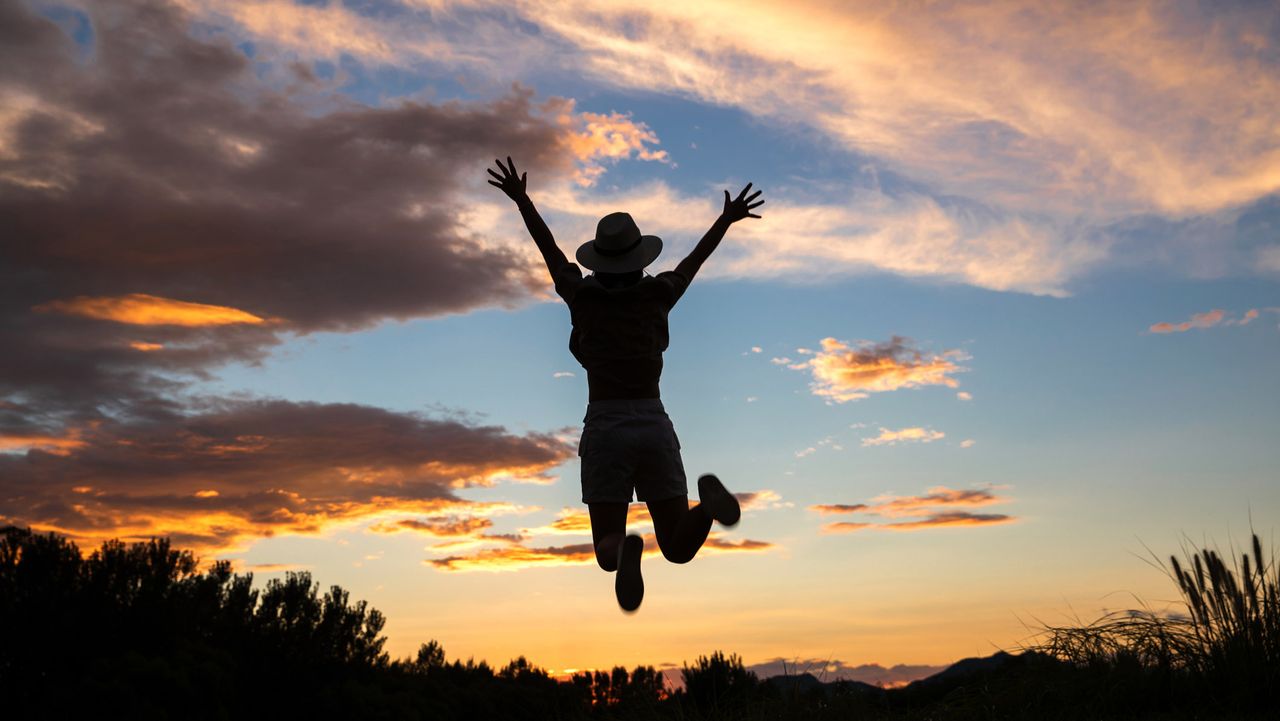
(618,246)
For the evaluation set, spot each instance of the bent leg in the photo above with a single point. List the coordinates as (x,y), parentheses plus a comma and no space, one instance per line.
(681,530)
(608,527)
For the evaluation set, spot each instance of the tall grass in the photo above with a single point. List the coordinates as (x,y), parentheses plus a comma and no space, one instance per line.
(1225,644)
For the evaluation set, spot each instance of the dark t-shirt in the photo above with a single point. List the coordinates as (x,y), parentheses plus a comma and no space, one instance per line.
(619,334)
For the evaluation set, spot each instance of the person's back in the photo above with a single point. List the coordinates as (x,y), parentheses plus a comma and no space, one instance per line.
(619,335)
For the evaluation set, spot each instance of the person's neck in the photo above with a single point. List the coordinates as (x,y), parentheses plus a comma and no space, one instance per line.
(619,280)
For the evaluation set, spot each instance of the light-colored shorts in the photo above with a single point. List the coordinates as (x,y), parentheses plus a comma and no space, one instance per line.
(630,445)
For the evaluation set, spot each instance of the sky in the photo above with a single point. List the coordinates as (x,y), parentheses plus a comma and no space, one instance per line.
(1009,324)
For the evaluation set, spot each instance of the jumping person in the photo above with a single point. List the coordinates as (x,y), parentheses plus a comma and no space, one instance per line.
(628,443)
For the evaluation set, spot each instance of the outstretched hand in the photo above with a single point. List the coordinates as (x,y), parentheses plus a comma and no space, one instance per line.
(509,182)
(741,206)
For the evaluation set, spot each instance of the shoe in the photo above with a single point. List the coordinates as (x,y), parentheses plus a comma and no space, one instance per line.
(628,585)
(718,502)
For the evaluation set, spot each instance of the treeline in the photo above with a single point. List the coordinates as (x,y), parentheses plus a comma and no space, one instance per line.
(140,631)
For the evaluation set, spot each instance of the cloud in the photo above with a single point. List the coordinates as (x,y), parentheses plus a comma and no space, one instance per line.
(577,521)
(563,374)
(142,309)
(950,518)
(518,553)
(1024,131)
(846,526)
(236,471)
(843,373)
(1124,108)
(839,508)
(889,437)
(967,443)
(760,500)
(439,526)
(1120,107)
(1208,319)
(936,507)
(964,396)
(856,232)
(169,207)
(1198,320)
(517,557)
(150,241)
(1248,317)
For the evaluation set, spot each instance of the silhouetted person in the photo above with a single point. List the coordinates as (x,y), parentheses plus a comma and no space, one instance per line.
(619,333)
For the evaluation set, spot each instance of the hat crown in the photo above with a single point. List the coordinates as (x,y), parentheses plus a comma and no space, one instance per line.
(616,232)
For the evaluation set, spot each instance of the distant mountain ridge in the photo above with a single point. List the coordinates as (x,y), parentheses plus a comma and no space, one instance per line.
(956,674)
(827,669)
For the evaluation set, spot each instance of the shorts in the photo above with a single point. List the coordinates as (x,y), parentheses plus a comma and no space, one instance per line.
(630,445)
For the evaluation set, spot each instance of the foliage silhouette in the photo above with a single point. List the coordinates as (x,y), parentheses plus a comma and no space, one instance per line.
(143,631)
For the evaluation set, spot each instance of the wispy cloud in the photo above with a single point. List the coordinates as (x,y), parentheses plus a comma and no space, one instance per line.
(1047,122)
(950,518)
(1208,319)
(889,437)
(840,508)
(843,372)
(516,557)
(939,506)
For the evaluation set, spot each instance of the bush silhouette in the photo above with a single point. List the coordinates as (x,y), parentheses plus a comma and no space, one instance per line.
(143,631)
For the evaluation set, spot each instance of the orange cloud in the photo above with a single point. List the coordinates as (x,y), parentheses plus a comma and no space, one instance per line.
(604,138)
(762,499)
(842,373)
(142,309)
(950,518)
(56,445)
(846,526)
(826,508)
(889,437)
(218,480)
(936,496)
(932,509)
(517,557)
(440,526)
(1199,320)
(146,347)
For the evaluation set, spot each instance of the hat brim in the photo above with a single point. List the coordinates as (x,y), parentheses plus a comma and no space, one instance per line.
(642,255)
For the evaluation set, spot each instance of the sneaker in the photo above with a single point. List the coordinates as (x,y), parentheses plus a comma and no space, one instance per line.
(628,584)
(718,501)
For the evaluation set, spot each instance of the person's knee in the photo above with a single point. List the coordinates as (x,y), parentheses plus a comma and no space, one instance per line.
(607,561)
(676,556)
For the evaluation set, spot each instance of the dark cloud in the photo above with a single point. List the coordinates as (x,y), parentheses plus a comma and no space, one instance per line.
(249,469)
(165,211)
(155,163)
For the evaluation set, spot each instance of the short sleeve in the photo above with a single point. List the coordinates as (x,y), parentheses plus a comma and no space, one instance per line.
(567,281)
(676,282)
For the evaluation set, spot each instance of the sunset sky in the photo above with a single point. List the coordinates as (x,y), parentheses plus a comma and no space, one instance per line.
(1011,317)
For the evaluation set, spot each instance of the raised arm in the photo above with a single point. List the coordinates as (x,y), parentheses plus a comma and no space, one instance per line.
(513,184)
(734,210)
